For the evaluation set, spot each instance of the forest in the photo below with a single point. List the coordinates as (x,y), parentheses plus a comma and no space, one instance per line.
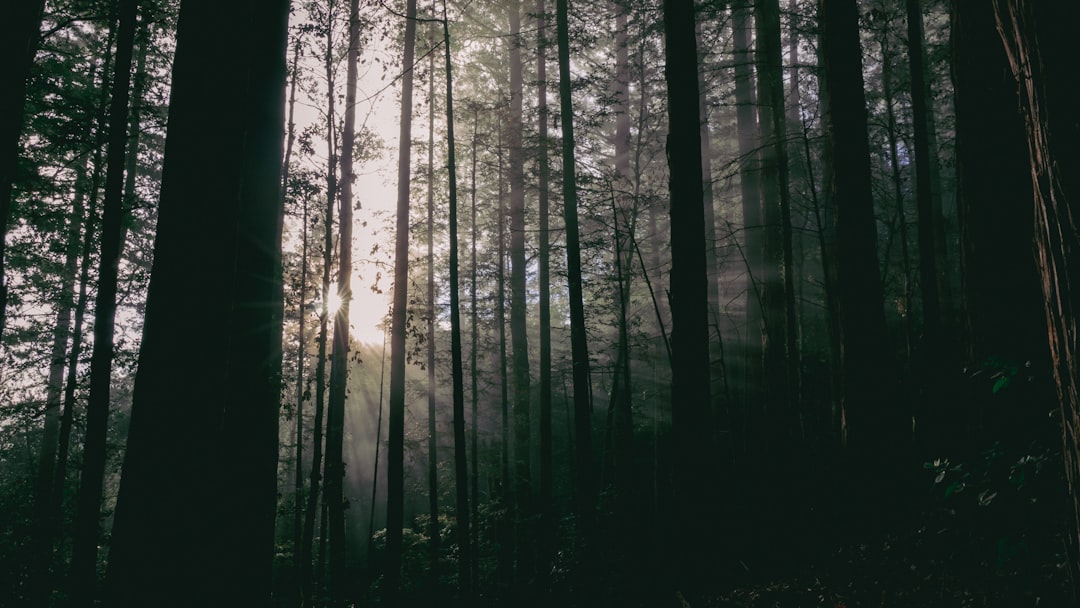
(676,303)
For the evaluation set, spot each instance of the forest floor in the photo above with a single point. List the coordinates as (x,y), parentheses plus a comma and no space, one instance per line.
(989,533)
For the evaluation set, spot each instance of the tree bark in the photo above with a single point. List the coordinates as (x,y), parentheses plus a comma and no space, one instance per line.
(19,37)
(875,427)
(1039,41)
(226,122)
(395,500)
(339,363)
(461,473)
(579,348)
(433,461)
(690,387)
(87,529)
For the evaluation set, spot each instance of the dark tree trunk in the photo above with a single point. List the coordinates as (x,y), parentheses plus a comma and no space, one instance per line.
(87,530)
(461,473)
(781,352)
(579,348)
(433,461)
(1039,39)
(46,518)
(1000,282)
(750,193)
(927,192)
(228,85)
(690,388)
(395,499)
(19,36)
(339,364)
(474,393)
(875,427)
(506,536)
(543,114)
(519,344)
(312,584)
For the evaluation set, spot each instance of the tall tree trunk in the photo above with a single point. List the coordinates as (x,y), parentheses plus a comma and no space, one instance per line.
(931,233)
(1000,278)
(474,393)
(506,537)
(584,498)
(339,364)
(543,114)
(312,584)
(624,212)
(1039,40)
(876,429)
(781,330)
(461,473)
(395,500)
(301,339)
(898,194)
(19,37)
(46,519)
(87,531)
(71,382)
(712,262)
(690,387)
(161,547)
(750,193)
(433,461)
(519,344)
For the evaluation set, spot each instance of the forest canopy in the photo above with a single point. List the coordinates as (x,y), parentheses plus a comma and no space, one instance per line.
(624,303)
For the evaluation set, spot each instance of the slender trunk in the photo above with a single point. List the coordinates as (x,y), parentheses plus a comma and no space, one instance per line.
(313,583)
(519,345)
(131,163)
(579,348)
(543,114)
(375,467)
(395,500)
(712,258)
(46,518)
(301,339)
(898,195)
(507,540)
(750,193)
(460,469)
(339,364)
(474,377)
(931,232)
(88,515)
(781,344)
(433,462)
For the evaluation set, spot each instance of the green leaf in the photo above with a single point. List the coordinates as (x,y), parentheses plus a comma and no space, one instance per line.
(954,487)
(1001,383)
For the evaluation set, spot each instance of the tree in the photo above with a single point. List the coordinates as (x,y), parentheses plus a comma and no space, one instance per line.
(579,348)
(339,364)
(461,473)
(395,505)
(876,428)
(1038,39)
(18,43)
(690,382)
(519,345)
(161,547)
(88,516)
